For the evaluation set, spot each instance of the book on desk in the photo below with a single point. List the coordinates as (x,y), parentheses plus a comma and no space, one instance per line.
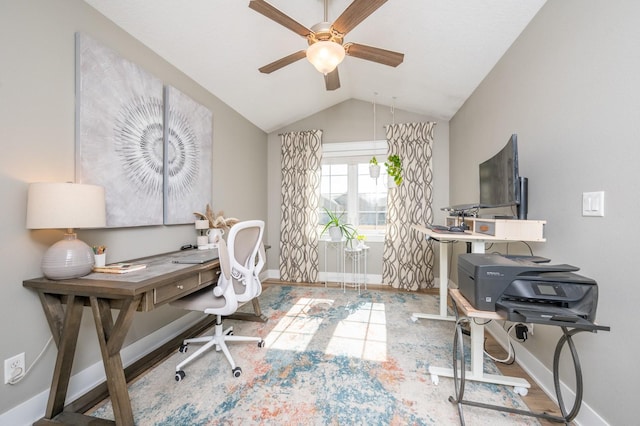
(119,268)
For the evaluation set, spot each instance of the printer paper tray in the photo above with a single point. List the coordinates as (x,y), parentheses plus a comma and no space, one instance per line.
(551,315)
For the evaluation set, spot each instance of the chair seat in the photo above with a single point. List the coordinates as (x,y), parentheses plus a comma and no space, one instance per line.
(199,301)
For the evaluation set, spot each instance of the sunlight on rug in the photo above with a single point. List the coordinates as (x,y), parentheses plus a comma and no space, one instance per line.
(331,358)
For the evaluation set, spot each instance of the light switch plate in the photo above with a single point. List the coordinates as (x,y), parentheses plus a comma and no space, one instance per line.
(593,203)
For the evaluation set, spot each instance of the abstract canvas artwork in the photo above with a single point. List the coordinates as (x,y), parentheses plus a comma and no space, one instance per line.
(153,158)
(119,135)
(188,157)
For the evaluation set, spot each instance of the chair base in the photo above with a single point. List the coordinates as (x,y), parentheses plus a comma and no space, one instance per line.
(219,339)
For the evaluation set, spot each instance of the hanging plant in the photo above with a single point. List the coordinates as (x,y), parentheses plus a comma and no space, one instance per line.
(394,168)
(374,168)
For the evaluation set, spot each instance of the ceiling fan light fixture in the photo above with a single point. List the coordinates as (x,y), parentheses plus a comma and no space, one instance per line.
(325,55)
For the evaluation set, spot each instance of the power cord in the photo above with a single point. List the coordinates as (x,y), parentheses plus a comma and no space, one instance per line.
(18,374)
(521,331)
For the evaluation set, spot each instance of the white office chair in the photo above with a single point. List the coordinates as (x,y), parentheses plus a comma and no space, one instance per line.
(241,260)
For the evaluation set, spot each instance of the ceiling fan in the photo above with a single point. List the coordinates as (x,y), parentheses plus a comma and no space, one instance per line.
(326,49)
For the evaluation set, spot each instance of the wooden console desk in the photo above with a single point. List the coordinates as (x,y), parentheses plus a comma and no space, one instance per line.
(161,282)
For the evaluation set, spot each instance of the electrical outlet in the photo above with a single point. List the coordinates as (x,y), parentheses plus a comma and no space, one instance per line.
(14,367)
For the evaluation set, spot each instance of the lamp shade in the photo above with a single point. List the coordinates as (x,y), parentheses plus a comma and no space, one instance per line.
(325,55)
(67,206)
(202,224)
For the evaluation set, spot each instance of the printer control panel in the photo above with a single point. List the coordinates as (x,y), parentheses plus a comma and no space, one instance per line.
(547,289)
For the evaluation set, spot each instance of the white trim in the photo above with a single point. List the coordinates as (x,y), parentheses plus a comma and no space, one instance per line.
(274,274)
(354,149)
(544,378)
(33,409)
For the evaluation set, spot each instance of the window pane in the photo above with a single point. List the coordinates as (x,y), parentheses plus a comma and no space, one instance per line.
(339,169)
(348,187)
(372,199)
(333,190)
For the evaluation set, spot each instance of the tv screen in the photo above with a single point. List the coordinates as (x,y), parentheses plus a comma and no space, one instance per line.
(499,184)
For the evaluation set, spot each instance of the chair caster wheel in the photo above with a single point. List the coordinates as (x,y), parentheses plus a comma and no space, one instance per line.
(179,375)
(237,372)
(414,318)
(520,390)
(230,333)
(183,348)
(261,344)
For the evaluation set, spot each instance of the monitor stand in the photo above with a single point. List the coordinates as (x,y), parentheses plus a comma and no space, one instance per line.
(523,206)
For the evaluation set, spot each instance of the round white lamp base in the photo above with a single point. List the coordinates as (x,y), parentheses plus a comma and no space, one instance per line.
(68,258)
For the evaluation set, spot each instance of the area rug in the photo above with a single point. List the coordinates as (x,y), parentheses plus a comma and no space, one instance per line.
(331,358)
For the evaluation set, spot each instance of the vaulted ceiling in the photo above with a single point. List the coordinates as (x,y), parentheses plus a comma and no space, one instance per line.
(449,47)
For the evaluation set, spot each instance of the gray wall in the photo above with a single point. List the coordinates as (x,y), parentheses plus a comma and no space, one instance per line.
(569,87)
(37,139)
(352,121)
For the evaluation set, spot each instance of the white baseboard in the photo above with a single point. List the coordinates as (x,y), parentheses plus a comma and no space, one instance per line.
(33,409)
(274,274)
(544,377)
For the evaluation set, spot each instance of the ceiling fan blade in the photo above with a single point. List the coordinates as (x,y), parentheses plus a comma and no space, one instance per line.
(332,80)
(375,54)
(274,14)
(355,13)
(282,62)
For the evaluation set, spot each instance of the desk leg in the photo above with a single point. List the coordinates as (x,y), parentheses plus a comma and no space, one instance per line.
(111,337)
(444,283)
(476,247)
(257,316)
(477,364)
(65,326)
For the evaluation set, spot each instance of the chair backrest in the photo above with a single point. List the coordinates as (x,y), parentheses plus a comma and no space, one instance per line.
(247,258)
(225,301)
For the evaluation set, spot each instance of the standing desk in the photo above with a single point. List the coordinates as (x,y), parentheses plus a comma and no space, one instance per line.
(477,241)
(161,282)
(513,230)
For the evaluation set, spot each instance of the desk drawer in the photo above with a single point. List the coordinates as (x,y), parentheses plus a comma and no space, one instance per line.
(170,291)
(209,276)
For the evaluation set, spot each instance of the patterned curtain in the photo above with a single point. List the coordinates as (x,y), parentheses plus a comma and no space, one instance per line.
(407,257)
(301,155)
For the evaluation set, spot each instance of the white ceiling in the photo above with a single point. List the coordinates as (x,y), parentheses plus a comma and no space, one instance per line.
(449,47)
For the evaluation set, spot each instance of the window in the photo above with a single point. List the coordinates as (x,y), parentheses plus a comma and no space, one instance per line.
(346,186)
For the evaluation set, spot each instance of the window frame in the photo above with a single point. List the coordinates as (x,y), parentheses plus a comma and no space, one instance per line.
(353,153)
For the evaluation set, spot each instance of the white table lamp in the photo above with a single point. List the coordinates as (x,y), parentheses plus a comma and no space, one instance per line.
(66,206)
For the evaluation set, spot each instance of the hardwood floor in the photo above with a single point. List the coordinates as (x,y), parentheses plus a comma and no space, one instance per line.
(536,399)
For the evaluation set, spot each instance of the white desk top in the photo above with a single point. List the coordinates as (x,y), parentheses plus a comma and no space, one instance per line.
(466,236)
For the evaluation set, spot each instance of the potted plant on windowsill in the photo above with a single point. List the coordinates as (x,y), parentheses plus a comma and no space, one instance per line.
(394,168)
(337,227)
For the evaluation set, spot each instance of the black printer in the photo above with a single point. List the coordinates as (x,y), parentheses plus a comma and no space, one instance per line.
(524,291)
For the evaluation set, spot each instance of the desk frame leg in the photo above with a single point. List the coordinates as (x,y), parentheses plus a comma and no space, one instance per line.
(476,372)
(444,284)
(64,326)
(111,338)
(257,316)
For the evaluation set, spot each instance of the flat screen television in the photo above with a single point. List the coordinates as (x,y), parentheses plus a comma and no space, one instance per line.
(499,180)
